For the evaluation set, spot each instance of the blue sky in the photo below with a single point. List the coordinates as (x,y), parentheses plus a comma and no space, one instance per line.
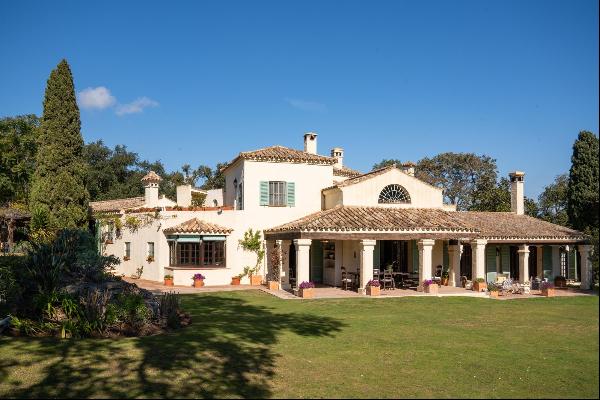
(197,82)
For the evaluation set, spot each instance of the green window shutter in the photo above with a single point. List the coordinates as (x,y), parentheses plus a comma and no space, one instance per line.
(291,194)
(264,193)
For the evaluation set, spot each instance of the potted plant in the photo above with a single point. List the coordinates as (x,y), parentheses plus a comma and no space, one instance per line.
(125,258)
(373,288)
(479,285)
(560,282)
(445,276)
(430,286)
(306,290)
(236,280)
(149,259)
(168,280)
(198,280)
(252,242)
(494,291)
(548,289)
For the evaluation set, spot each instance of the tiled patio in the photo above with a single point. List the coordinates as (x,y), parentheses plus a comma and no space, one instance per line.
(328,292)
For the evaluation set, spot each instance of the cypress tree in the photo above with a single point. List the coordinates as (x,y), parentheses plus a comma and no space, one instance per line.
(582,191)
(58,188)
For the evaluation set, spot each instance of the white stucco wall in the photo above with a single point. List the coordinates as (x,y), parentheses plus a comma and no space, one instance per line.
(366,193)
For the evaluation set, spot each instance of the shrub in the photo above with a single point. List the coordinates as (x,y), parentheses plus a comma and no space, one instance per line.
(170,304)
(492,288)
(95,311)
(131,311)
(168,276)
(480,280)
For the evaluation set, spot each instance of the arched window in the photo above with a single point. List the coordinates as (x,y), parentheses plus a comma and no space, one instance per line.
(394,194)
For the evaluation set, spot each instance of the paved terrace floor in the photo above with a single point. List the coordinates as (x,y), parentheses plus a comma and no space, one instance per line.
(328,292)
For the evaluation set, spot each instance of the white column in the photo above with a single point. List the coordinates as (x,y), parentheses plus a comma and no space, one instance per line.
(425,259)
(284,245)
(302,260)
(367,246)
(540,262)
(555,261)
(523,263)
(478,259)
(586,270)
(454,258)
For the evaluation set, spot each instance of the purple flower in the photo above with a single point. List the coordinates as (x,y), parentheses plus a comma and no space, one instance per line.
(427,282)
(198,276)
(373,282)
(306,285)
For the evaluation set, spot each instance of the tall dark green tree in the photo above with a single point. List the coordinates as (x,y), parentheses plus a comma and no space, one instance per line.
(582,191)
(386,162)
(58,187)
(553,201)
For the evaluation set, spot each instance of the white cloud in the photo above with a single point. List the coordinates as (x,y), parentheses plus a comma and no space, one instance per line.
(136,106)
(306,105)
(99,98)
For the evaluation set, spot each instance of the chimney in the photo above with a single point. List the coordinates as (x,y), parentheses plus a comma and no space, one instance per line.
(310,142)
(408,168)
(517,192)
(338,154)
(184,195)
(151,181)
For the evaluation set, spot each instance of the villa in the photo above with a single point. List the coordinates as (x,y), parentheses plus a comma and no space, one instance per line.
(323,217)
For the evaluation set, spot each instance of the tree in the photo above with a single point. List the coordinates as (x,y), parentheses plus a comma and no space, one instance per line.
(213,178)
(458,174)
(17,157)
(553,201)
(491,196)
(58,185)
(385,162)
(582,190)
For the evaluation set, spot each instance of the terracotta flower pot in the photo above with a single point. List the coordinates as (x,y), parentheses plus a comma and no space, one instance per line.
(256,280)
(479,286)
(198,283)
(168,281)
(235,280)
(494,294)
(273,285)
(373,290)
(431,289)
(445,281)
(548,292)
(306,293)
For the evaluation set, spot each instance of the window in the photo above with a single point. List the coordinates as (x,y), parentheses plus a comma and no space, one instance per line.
(151,249)
(564,263)
(394,194)
(128,249)
(209,253)
(277,194)
(214,253)
(240,199)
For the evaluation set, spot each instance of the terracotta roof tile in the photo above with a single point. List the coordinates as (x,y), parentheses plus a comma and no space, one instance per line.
(151,177)
(117,204)
(490,225)
(345,171)
(195,225)
(283,154)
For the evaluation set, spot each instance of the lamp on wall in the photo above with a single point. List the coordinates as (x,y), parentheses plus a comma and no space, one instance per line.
(235,182)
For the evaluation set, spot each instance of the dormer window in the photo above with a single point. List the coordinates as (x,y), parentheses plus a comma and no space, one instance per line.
(394,194)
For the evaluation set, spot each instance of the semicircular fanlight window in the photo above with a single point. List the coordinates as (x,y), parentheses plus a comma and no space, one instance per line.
(394,194)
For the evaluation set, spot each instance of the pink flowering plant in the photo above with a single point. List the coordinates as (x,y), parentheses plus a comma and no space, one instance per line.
(198,277)
(373,283)
(306,285)
(427,282)
(547,285)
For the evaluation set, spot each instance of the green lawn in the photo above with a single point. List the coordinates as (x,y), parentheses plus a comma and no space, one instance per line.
(249,344)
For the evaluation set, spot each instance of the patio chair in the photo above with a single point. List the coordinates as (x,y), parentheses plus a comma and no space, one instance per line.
(506,287)
(437,277)
(346,281)
(388,281)
(376,274)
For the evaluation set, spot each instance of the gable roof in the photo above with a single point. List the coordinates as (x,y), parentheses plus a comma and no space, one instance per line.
(196,225)
(116,204)
(283,154)
(485,225)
